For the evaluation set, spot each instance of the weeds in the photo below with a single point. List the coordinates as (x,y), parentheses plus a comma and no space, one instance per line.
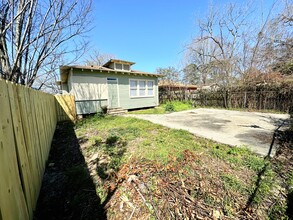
(264,183)
(169,107)
(272,111)
(238,156)
(173,106)
(277,211)
(233,183)
(122,138)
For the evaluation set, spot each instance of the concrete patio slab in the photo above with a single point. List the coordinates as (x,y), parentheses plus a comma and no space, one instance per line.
(237,128)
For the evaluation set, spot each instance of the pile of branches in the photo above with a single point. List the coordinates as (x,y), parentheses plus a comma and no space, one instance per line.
(182,189)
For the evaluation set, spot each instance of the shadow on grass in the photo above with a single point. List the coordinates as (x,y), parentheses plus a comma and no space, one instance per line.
(286,151)
(282,165)
(253,195)
(115,148)
(284,140)
(67,189)
(289,210)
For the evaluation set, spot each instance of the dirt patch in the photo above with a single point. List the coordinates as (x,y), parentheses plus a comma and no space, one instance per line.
(67,189)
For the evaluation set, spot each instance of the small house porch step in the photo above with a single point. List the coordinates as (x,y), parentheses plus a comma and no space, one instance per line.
(116,111)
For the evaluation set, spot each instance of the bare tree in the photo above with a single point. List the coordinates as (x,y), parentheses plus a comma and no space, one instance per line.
(215,49)
(171,75)
(278,47)
(238,40)
(98,58)
(199,68)
(34,36)
(172,78)
(192,74)
(287,15)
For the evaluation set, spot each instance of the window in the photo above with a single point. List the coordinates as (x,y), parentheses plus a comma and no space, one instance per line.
(150,88)
(141,88)
(118,66)
(126,67)
(133,88)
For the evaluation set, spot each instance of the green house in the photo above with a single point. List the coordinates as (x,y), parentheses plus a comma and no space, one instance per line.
(114,85)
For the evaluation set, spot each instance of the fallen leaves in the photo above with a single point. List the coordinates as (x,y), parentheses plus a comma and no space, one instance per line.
(181,189)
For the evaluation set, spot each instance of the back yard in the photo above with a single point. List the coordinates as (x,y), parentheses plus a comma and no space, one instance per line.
(126,168)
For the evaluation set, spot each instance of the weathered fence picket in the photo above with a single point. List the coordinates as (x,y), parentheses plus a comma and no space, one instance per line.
(65,107)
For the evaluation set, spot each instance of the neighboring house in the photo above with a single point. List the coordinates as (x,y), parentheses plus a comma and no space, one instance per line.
(114,85)
(169,91)
(212,87)
(175,86)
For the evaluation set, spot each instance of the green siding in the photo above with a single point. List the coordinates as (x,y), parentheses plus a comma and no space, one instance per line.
(138,102)
(123,92)
(87,106)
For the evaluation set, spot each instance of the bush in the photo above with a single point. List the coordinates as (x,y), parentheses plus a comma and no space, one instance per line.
(104,109)
(169,107)
(111,140)
(102,112)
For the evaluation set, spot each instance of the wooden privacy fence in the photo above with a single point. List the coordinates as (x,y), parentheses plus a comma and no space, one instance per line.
(27,123)
(166,94)
(280,99)
(65,107)
(266,97)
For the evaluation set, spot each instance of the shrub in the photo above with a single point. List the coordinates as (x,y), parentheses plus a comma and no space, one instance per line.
(111,140)
(169,107)
(104,109)
(100,114)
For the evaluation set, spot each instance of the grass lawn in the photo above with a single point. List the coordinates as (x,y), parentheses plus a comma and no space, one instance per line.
(174,106)
(147,171)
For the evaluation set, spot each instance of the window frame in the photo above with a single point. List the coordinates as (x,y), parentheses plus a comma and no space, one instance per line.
(115,66)
(122,67)
(146,89)
(152,88)
(132,88)
(126,69)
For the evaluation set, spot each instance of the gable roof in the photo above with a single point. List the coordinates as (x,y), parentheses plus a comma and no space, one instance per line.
(64,71)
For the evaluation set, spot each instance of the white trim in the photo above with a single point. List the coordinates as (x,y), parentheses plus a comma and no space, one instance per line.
(157,89)
(118,94)
(108,96)
(146,88)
